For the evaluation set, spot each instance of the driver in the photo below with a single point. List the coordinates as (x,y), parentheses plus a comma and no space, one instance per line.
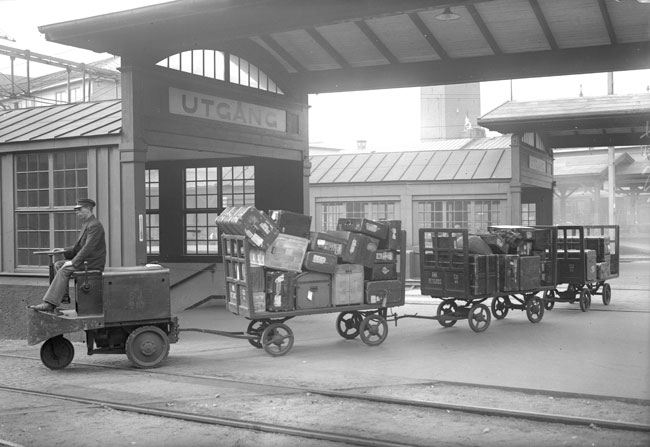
(90,247)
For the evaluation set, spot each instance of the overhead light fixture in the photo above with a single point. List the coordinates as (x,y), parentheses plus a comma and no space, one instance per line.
(643,1)
(447,15)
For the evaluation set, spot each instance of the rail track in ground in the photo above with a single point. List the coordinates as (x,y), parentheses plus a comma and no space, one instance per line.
(258,393)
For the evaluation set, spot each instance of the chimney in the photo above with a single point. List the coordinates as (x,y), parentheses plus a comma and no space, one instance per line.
(361,145)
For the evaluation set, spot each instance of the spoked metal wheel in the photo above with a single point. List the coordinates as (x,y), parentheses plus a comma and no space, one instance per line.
(256,327)
(479,317)
(277,339)
(585,299)
(607,294)
(500,307)
(373,330)
(549,299)
(447,307)
(147,346)
(348,324)
(535,309)
(57,352)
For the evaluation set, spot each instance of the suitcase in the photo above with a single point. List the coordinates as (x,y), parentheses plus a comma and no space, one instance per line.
(496,242)
(385,293)
(223,219)
(359,248)
(320,262)
(258,228)
(377,230)
(313,290)
(347,285)
(392,241)
(483,274)
(508,273)
(600,244)
(292,223)
(327,243)
(280,291)
(257,278)
(530,272)
(381,272)
(285,253)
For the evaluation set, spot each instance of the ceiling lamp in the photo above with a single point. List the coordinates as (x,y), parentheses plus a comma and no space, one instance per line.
(448,15)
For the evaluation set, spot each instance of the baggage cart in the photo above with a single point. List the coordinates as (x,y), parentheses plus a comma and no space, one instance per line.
(465,281)
(587,256)
(362,305)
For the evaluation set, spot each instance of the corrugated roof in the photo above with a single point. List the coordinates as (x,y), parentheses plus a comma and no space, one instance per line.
(457,164)
(61,121)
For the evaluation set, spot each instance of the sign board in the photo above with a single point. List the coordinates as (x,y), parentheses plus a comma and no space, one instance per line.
(199,105)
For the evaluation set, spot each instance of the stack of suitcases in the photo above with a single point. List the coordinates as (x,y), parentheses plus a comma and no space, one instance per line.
(293,269)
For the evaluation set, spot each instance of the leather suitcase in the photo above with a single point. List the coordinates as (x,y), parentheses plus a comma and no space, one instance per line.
(530,272)
(313,290)
(377,230)
(285,253)
(381,272)
(320,262)
(292,223)
(385,293)
(392,241)
(223,219)
(258,228)
(280,291)
(327,243)
(385,257)
(359,248)
(347,285)
(483,274)
(508,273)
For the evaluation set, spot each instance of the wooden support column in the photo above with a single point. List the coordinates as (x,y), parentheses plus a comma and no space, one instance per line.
(133,150)
(514,192)
(596,201)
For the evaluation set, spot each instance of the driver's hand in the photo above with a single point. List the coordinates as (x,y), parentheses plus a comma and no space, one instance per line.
(67,263)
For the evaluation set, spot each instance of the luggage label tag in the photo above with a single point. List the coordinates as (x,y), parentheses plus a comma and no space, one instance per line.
(353,246)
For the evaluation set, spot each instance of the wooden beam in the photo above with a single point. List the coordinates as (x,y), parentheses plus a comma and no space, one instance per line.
(376,41)
(320,40)
(284,54)
(608,21)
(544,24)
(483,28)
(428,35)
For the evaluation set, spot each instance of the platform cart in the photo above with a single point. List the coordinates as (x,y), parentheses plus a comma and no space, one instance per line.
(530,270)
(268,329)
(587,256)
(445,274)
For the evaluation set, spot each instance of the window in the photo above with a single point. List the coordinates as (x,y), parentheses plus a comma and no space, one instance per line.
(529,214)
(330,212)
(152,200)
(474,215)
(60,97)
(212,64)
(207,191)
(47,187)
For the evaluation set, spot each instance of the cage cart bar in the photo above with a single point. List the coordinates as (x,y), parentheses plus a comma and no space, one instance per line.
(268,329)
(587,256)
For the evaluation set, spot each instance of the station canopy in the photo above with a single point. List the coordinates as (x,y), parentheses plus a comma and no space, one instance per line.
(317,46)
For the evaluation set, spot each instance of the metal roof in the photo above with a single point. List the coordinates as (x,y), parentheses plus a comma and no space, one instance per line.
(313,46)
(612,120)
(437,165)
(61,121)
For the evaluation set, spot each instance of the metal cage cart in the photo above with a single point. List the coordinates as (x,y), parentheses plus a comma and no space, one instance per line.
(530,268)
(253,296)
(587,256)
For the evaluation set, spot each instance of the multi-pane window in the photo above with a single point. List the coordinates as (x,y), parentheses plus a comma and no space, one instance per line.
(330,212)
(207,191)
(474,215)
(529,214)
(218,65)
(47,187)
(152,201)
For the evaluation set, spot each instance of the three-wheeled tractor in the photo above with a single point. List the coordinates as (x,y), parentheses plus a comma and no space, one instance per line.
(123,310)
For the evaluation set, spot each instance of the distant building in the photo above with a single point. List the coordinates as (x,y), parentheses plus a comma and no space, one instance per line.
(449,111)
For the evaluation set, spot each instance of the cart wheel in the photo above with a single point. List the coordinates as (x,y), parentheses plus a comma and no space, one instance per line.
(500,307)
(549,299)
(277,339)
(373,330)
(479,317)
(585,299)
(57,352)
(256,327)
(535,309)
(447,307)
(607,294)
(348,324)
(147,346)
